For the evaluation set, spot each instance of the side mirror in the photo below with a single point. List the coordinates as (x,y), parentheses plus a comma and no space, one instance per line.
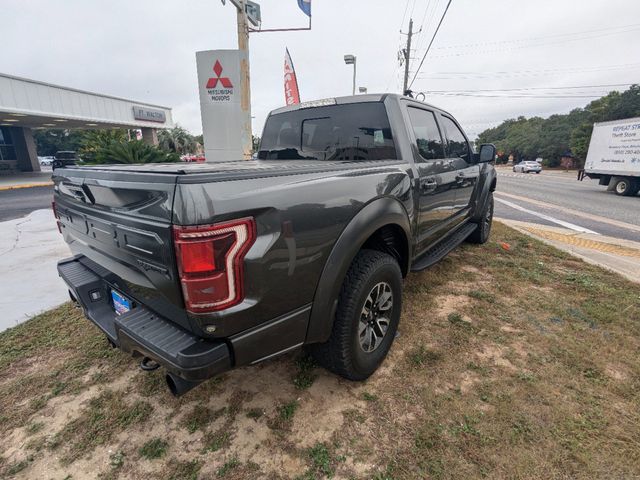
(487,153)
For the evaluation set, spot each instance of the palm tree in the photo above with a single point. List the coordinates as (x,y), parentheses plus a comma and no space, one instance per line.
(133,152)
(177,140)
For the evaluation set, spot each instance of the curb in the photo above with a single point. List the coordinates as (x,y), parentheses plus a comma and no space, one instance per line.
(26,185)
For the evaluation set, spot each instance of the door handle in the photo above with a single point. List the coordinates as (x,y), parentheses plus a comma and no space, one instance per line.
(428,184)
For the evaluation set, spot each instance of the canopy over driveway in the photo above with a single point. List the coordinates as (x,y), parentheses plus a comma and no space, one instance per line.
(28,104)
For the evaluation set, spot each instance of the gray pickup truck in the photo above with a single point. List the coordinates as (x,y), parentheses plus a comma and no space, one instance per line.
(200,268)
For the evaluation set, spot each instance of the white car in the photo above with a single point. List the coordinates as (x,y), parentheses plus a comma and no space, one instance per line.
(45,161)
(526,167)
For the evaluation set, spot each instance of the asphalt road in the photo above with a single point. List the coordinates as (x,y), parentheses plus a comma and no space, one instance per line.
(19,202)
(545,199)
(558,199)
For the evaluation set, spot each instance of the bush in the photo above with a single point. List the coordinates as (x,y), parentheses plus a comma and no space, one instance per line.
(131,152)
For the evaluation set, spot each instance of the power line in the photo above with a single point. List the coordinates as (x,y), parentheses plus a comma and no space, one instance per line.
(430,43)
(404,16)
(530,88)
(413,7)
(526,73)
(424,24)
(511,96)
(519,47)
(498,42)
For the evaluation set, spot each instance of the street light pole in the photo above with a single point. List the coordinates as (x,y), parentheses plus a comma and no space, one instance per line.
(354,76)
(351,60)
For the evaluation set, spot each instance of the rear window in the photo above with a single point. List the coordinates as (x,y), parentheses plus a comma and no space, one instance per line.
(338,132)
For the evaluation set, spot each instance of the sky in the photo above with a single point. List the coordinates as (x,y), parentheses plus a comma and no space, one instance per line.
(491,59)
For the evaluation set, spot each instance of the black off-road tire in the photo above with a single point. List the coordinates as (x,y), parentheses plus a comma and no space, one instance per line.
(624,187)
(342,353)
(481,234)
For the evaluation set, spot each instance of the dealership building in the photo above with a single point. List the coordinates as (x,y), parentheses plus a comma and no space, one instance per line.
(27,105)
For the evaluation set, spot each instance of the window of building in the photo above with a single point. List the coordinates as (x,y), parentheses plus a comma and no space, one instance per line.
(7,150)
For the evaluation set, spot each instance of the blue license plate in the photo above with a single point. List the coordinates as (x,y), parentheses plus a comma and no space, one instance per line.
(121,304)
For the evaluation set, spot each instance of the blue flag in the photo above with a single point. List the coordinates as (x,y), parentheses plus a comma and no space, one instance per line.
(305,6)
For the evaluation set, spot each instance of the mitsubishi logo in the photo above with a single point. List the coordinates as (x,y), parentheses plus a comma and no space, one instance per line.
(213,81)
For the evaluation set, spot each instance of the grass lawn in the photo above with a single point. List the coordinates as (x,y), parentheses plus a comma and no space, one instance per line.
(518,362)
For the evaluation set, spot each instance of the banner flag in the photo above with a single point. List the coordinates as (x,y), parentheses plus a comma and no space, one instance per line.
(291,91)
(305,6)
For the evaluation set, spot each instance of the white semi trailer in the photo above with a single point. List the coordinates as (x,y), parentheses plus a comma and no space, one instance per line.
(614,156)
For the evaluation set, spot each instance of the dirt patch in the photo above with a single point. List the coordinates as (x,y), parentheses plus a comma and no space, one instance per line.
(483,382)
(495,355)
(448,304)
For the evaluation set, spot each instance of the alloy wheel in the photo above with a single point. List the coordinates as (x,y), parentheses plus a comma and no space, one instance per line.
(375,317)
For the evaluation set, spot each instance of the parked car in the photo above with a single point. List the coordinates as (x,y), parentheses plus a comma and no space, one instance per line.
(64,159)
(193,158)
(527,167)
(203,268)
(45,161)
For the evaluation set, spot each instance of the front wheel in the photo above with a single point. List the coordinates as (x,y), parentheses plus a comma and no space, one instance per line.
(481,234)
(367,317)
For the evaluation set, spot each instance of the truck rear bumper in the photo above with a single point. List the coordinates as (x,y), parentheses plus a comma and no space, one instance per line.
(140,331)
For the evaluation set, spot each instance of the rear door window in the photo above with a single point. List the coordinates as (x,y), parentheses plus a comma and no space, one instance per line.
(356,132)
(425,129)
(457,146)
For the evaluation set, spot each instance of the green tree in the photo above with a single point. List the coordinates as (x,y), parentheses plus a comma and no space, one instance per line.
(48,142)
(177,140)
(94,141)
(132,152)
(614,106)
(553,137)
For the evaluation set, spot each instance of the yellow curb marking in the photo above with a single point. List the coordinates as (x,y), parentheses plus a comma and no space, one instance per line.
(585,242)
(27,185)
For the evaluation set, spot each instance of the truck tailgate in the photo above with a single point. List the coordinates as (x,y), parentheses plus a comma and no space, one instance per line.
(122,222)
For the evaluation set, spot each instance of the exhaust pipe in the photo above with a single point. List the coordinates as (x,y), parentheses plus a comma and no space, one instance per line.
(179,386)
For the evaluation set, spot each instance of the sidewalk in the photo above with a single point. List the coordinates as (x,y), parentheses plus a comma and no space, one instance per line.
(25,180)
(615,254)
(30,248)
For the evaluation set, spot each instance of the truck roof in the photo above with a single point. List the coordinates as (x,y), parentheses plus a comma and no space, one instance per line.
(370,97)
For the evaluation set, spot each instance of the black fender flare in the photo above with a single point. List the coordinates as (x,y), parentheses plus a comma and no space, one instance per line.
(375,215)
(488,185)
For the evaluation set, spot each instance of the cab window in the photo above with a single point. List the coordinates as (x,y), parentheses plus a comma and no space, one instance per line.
(425,129)
(457,146)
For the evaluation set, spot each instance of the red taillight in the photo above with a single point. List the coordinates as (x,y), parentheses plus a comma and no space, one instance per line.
(210,262)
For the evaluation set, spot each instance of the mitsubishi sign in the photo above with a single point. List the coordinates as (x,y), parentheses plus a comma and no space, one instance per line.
(226,114)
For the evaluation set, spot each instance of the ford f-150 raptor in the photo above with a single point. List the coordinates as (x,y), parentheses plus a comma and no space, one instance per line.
(200,268)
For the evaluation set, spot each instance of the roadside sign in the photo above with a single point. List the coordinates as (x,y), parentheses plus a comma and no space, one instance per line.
(253,13)
(223,111)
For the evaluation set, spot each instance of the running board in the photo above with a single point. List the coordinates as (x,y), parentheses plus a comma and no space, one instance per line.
(442,248)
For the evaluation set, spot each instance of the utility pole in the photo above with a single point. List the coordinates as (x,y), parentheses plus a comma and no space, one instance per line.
(407,56)
(245,81)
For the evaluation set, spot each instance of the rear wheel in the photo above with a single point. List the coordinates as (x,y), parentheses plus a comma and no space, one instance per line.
(481,234)
(623,187)
(366,319)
